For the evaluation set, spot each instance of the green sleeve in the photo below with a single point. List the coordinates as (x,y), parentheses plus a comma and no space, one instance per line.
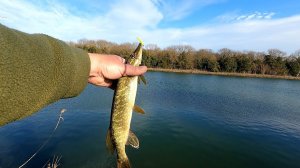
(36,70)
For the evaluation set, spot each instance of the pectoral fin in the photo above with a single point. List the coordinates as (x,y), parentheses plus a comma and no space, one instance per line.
(109,145)
(142,78)
(133,140)
(138,109)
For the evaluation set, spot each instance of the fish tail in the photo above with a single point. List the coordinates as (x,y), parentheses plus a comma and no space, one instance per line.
(124,163)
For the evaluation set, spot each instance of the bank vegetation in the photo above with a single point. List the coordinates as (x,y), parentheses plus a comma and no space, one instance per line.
(185,58)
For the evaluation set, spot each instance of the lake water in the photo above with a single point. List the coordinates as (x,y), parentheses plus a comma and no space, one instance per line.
(190,121)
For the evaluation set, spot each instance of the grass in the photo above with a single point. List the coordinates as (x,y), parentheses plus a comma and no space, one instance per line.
(246,75)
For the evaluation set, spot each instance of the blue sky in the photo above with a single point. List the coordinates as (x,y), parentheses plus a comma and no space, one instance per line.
(236,24)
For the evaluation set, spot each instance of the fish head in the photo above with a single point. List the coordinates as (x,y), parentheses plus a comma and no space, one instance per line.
(135,58)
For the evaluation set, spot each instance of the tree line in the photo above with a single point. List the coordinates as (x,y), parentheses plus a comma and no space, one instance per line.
(272,62)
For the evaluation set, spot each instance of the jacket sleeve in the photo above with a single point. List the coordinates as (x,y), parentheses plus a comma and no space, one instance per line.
(36,70)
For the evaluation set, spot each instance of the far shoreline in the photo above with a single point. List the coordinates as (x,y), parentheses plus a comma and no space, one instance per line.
(245,75)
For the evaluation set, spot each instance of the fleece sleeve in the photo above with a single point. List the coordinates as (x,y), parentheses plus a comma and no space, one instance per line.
(36,70)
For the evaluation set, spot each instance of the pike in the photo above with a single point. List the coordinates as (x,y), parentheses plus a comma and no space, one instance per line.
(123,104)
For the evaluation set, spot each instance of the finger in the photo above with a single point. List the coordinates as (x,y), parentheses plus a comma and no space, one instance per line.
(113,86)
(100,82)
(107,83)
(121,59)
(134,71)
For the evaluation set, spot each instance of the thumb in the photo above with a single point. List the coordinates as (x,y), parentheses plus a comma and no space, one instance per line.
(134,71)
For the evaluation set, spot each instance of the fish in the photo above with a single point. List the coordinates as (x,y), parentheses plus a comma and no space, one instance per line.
(119,134)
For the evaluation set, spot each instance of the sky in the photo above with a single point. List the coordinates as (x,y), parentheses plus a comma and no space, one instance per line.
(204,24)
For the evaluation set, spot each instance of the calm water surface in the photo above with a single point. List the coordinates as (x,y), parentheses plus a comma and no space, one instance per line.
(190,121)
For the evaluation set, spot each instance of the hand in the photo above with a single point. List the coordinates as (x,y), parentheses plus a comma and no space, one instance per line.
(106,68)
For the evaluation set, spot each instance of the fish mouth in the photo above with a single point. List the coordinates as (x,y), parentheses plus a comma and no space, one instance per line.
(136,51)
(136,57)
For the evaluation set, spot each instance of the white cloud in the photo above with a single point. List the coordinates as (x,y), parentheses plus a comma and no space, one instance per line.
(257,16)
(124,22)
(258,35)
(234,16)
(250,35)
(137,14)
(268,15)
(56,20)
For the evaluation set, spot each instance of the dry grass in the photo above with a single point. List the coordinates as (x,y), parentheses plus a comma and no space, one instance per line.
(246,75)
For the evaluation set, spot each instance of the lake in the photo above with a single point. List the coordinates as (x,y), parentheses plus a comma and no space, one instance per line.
(190,121)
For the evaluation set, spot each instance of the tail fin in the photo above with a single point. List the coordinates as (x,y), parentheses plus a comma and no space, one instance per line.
(123,163)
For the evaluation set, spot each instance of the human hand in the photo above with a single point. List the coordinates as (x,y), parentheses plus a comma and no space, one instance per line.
(106,68)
